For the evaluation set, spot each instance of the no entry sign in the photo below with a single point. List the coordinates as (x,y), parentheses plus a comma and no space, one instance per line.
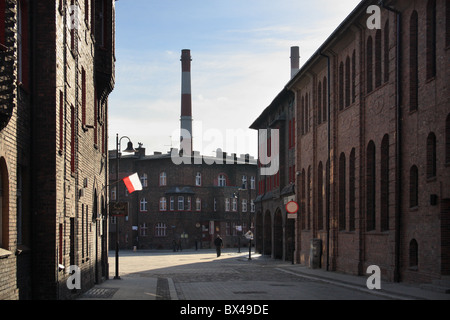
(292,207)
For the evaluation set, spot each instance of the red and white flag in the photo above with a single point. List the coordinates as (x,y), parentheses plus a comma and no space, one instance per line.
(133,183)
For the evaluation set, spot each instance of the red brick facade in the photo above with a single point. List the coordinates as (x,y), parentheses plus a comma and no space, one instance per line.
(372,145)
(52,151)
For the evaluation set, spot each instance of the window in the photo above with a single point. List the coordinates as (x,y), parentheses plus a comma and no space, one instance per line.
(347,82)
(189,204)
(319,103)
(163,204)
(215,205)
(352,190)
(114,193)
(309,199)
(180,203)
(384,184)
(320,196)
(342,192)
(144,180)
(244,182)
(234,204)
(162,179)
(413,187)
(143,205)
(369,65)
(72,138)
(386,51)
(227,204)
(198,204)
(253,181)
(413,254)
(378,64)
(341,86)
(198,179)
(431,39)
(222,180)
(4,205)
(370,186)
(83,97)
(61,121)
(172,203)
(354,76)
(431,156)
(252,206)
(414,62)
(244,205)
(325,99)
(160,230)
(303,202)
(143,229)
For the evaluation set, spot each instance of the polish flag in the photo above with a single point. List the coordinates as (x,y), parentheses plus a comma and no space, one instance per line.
(133,183)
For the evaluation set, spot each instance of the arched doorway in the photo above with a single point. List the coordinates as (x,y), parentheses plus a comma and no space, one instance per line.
(278,235)
(267,246)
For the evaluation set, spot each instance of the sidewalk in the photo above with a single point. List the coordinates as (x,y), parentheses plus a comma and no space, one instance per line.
(141,286)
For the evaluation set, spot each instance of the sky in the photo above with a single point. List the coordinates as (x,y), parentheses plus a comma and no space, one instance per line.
(240,62)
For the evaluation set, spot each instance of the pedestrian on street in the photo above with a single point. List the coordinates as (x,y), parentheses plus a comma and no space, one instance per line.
(219,245)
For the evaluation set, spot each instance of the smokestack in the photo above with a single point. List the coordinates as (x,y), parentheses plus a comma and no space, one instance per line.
(186,103)
(295,61)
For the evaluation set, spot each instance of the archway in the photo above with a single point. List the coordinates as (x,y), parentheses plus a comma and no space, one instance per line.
(4,205)
(267,247)
(278,235)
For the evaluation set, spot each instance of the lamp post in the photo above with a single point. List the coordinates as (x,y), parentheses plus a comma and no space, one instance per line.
(128,150)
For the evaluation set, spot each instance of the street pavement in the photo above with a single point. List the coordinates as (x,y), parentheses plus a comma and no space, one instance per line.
(201,275)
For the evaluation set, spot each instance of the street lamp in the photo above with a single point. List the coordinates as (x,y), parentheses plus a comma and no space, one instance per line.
(129,149)
(236,196)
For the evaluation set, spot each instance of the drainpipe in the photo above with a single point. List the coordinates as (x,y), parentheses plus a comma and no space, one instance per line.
(398,142)
(329,160)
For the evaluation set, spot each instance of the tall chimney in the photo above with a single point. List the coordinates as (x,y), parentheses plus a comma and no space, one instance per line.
(295,61)
(186,103)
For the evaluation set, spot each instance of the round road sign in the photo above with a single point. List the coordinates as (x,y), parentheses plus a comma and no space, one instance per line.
(292,207)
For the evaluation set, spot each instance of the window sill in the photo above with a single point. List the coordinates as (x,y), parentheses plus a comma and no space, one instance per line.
(4,253)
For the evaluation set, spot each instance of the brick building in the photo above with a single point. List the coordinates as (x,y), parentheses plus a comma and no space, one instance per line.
(372,145)
(190,202)
(56,73)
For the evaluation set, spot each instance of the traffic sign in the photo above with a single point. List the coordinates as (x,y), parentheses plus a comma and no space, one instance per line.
(292,207)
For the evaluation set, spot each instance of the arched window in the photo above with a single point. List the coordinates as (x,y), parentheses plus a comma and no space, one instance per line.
(370,186)
(352,190)
(413,187)
(347,82)
(386,51)
(163,179)
(4,205)
(413,254)
(342,192)
(431,39)
(378,64)
(341,86)
(306,113)
(369,65)
(431,155)
(320,196)
(303,203)
(354,76)
(309,198)
(384,184)
(414,61)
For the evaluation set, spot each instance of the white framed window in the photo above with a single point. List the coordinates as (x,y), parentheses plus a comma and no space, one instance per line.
(244,182)
(252,206)
(222,181)
(252,183)
(189,204)
(143,205)
(172,203)
(163,179)
(234,204)
(198,204)
(144,180)
(180,203)
(244,205)
(198,179)
(160,230)
(143,229)
(227,204)
(163,204)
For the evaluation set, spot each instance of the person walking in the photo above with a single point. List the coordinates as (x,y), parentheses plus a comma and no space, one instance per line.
(219,245)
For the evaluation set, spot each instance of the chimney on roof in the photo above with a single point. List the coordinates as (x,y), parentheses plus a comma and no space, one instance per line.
(186,103)
(295,61)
